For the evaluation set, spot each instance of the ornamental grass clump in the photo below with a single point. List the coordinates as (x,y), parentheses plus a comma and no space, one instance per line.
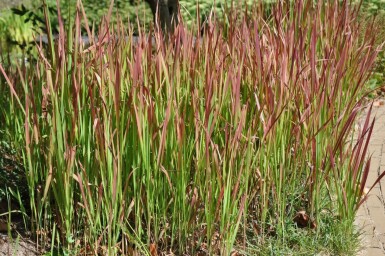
(196,145)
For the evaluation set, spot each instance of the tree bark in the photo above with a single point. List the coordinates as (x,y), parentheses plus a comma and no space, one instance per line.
(166,11)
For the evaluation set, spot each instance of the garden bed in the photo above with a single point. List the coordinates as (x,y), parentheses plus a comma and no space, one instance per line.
(238,145)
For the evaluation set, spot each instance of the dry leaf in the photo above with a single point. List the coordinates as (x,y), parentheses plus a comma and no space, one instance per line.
(235,253)
(303,220)
(153,251)
(378,103)
(3,226)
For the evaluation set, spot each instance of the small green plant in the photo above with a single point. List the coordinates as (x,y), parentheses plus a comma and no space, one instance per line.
(375,6)
(14,31)
(239,140)
(373,13)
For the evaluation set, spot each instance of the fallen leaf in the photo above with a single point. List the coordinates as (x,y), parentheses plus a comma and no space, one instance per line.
(378,103)
(3,226)
(235,253)
(303,220)
(153,251)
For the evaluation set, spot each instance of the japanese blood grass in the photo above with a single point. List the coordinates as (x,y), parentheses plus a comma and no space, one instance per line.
(193,145)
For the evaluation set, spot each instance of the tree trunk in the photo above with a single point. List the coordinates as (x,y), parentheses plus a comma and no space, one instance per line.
(167,11)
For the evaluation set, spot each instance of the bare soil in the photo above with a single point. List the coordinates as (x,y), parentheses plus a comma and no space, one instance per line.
(16,247)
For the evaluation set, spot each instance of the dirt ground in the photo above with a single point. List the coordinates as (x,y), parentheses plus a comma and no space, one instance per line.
(370,217)
(16,247)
